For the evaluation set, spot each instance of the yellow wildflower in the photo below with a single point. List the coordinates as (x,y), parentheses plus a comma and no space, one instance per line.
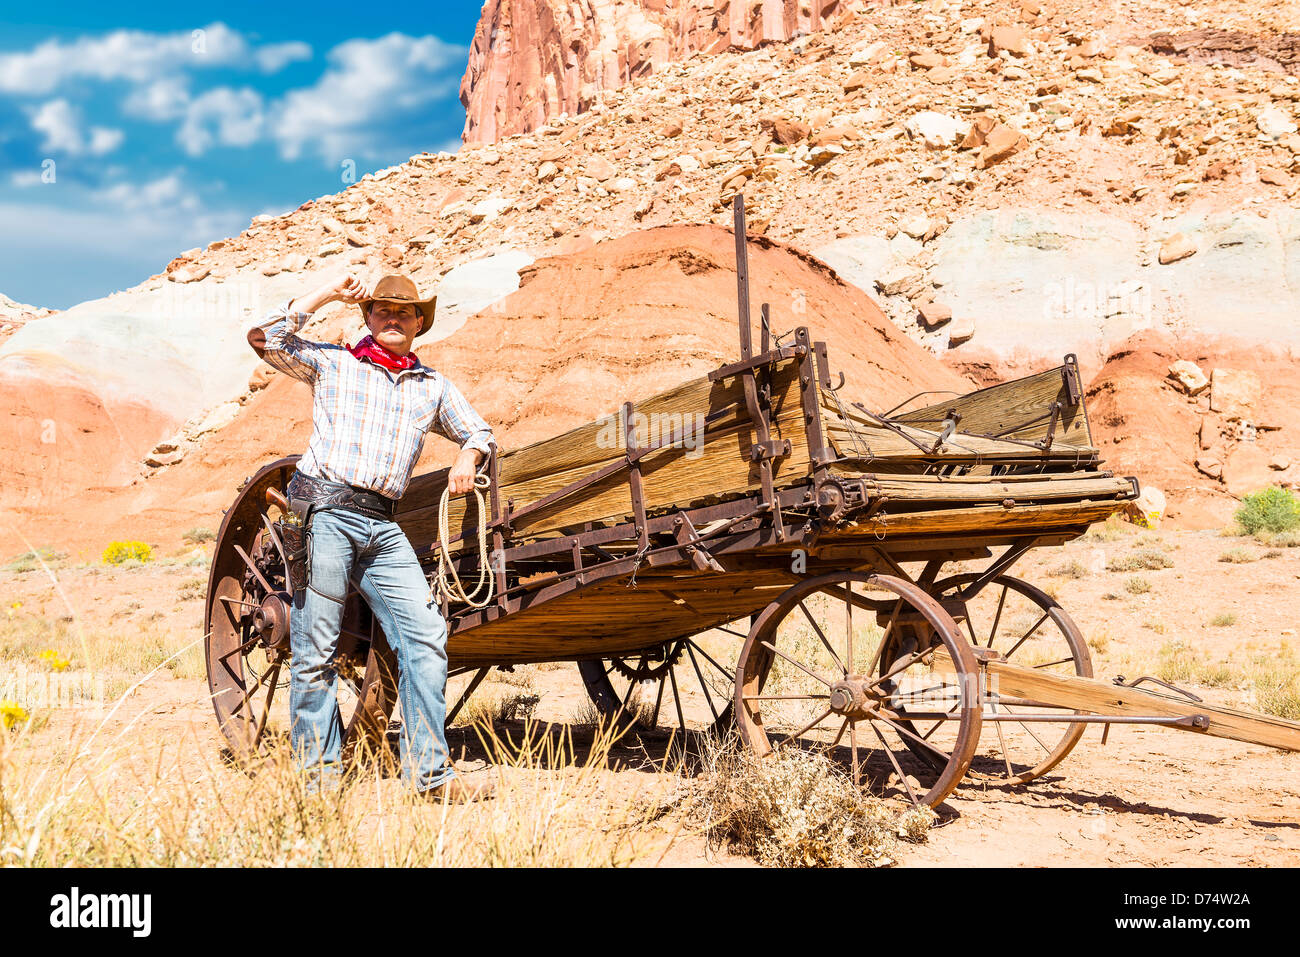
(55,660)
(12,713)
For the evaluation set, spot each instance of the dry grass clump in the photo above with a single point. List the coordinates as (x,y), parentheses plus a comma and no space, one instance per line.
(1137,585)
(797,809)
(1180,663)
(1238,556)
(1143,559)
(1276,682)
(35,558)
(126,798)
(1071,569)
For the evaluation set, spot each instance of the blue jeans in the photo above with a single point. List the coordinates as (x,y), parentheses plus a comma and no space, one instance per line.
(375,556)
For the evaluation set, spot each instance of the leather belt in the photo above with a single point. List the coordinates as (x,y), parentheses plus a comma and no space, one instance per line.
(322,493)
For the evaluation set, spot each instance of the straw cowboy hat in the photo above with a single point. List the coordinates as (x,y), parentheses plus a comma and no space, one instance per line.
(401,289)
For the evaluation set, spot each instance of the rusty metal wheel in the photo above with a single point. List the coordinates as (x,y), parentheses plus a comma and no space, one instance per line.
(1026,626)
(685,684)
(247,636)
(831,663)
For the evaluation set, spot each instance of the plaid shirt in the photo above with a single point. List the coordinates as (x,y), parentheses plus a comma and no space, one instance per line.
(369,423)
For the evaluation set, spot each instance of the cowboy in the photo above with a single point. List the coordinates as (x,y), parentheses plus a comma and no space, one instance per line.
(372,406)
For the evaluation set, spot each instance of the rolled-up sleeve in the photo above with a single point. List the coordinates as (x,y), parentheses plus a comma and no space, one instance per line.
(276,341)
(458,421)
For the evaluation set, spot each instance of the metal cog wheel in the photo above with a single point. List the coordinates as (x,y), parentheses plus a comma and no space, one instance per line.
(648,668)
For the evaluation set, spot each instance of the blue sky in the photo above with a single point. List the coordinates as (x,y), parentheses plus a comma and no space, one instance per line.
(131,132)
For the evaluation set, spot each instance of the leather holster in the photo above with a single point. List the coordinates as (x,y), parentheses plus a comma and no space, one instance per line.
(296,538)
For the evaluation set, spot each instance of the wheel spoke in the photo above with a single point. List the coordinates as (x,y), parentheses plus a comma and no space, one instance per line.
(703,687)
(913,659)
(248,693)
(270,696)
(884,637)
(808,727)
(998,617)
(729,675)
(253,568)
(889,753)
(848,626)
(239,649)
(275,538)
(659,698)
(1025,636)
(834,657)
(853,748)
(677,700)
(785,697)
(1002,742)
(1059,661)
(772,648)
(1029,729)
(919,740)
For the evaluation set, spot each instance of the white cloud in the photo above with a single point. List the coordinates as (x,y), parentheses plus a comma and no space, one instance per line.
(226,116)
(358,106)
(60,122)
(139,57)
(167,193)
(274,57)
(160,100)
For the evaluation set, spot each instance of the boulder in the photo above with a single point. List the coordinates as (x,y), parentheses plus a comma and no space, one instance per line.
(1015,40)
(1147,509)
(960,330)
(935,130)
(1177,247)
(1275,123)
(1234,393)
(1188,376)
(1002,142)
(932,315)
(785,131)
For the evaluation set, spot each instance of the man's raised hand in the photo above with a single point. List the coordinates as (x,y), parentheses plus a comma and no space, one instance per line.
(351,290)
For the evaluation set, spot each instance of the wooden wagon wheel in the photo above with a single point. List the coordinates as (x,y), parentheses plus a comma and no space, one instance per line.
(829,664)
(1028,627)
(247,635)
(684,684)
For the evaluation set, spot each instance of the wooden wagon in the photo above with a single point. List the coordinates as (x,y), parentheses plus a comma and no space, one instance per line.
(752,547)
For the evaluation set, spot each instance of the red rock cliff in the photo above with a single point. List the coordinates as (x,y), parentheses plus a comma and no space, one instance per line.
(534,59)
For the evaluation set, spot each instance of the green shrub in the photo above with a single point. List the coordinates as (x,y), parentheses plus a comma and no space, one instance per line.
(1272,509)
(199,534)
(1224,619)
(119,552)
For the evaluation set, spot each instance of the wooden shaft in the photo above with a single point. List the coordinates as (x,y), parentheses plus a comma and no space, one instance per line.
(1103,697)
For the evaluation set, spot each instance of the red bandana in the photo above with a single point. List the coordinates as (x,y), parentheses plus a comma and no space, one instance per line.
(369,348)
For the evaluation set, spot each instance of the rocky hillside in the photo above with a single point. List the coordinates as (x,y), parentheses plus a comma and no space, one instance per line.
(532,60)
(14,315)
(1010,181)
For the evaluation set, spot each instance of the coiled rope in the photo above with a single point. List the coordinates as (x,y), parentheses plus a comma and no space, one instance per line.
(453,589)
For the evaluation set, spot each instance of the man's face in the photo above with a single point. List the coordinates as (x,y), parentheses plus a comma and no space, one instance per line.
(394,325)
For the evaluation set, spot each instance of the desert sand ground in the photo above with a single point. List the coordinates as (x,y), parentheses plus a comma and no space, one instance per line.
(1149,797)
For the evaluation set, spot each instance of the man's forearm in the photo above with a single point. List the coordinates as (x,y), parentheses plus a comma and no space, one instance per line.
(314,299)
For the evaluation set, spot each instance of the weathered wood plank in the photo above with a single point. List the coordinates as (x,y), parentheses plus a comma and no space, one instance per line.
(1101,697)
(718,468)
(1001,407)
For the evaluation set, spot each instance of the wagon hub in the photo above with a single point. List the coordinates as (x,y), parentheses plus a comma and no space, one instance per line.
(851,697)
(271,621)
